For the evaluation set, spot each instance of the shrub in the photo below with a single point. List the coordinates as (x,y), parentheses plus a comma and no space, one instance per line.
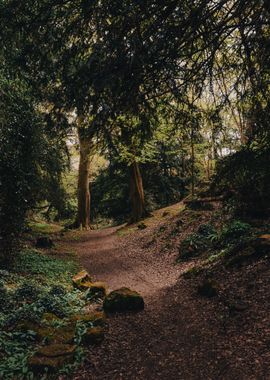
(246,174)
(234,232)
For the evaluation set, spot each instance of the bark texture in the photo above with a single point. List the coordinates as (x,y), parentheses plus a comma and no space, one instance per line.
(86,144)
(138,210)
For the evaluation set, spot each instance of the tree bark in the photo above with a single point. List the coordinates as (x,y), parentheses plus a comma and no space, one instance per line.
(138,210)
(192,164)
(83,216)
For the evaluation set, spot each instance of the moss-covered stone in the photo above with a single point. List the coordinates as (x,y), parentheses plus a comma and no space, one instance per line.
(97,318)
(123,300)
(49,334)
(93,335)
(52,357)
(97,290)
(80,279)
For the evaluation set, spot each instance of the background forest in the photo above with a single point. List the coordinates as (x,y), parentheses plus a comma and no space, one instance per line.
(110,110)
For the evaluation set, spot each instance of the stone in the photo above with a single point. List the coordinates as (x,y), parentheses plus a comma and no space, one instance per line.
(97,290)
(44,242)
(80,279)
(97,318)
(123,300)
(52,357)
(93,335)
(65,334)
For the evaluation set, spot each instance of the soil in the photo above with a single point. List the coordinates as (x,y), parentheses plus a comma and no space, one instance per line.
(179,335)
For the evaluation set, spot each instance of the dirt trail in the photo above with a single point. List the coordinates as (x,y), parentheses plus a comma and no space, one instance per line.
(103,254)
(178,335)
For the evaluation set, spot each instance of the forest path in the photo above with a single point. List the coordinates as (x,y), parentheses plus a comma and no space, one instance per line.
(172,337)
(115,255)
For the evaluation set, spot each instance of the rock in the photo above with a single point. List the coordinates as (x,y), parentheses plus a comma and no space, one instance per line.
(123,300)
(208,289)
(44,242)
(81,279)
(65,334)
(52,357)
(54,350)
(97,318)
(93,335)
(97,290)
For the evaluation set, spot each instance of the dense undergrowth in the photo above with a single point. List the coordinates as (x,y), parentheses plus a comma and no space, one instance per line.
(227,243)
(35,287)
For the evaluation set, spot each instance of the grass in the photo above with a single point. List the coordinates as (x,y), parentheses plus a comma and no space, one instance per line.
(44,228)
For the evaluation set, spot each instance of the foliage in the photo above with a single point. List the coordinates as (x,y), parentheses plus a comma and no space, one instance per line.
(215,243)
(35,285)
(197,243)
(234,232)
(30,162)
(246,174)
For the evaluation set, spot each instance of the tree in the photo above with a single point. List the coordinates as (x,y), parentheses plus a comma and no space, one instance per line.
(30,161)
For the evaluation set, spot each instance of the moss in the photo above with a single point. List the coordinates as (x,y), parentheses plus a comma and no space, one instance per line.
(44,228)
(97,290)
(80,279)
(52,357)
(97,318)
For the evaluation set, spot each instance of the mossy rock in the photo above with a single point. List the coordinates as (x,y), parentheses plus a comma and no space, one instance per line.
(81,279)
(65,334)
(208,289)
(93,335)
(123,300)
(97,318)
(52,357)
(97,290)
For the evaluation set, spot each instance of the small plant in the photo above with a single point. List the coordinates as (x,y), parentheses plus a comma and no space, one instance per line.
(192,246)
(234,231)
(27,292)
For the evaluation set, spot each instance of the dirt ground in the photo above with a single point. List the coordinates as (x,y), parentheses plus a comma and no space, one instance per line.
(179,335)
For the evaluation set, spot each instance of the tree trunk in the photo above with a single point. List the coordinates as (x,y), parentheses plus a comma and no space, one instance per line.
(138,210)
(83,216)
(192,164)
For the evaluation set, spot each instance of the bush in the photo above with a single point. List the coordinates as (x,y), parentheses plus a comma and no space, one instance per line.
(234,232)
(31,162)
(193,246)
(246,174)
